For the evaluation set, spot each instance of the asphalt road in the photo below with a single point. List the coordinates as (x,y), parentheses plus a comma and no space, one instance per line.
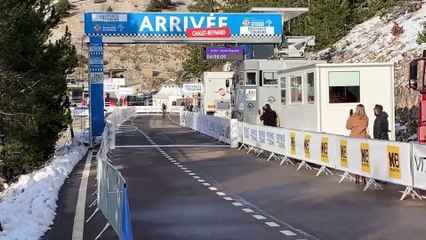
(192,187)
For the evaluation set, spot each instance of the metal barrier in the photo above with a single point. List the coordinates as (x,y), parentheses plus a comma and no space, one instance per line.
(112,198)
(388,161)
(222,129)
(157,109)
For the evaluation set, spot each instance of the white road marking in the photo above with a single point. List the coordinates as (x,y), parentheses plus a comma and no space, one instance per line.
(259,217)
(213,188)
(192,174)
(288,233)
(179,165)
(237,204)
(201,180)
(272,224)
(221,193)
(187,171)
(206,184)
(196,177)
(228,198)
(173,146)
(184,168)
(78,227)
(247,210)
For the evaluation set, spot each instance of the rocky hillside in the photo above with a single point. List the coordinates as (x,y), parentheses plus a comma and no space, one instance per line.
(373,41)
(164,60)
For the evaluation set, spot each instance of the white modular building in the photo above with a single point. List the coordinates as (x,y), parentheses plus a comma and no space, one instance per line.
(319,97)
(256,83)
(216,94)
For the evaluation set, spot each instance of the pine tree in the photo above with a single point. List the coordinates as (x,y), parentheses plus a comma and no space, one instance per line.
(195,63)
(32,84)
(204,6)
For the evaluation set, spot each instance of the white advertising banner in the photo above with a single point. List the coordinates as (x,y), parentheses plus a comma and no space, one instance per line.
(250,134)
(240,131)
(419,166)
(312,147)
(110,87)
(192,87)
(125,91)
(216,127)
(381,160)
(148,109)
(272,139)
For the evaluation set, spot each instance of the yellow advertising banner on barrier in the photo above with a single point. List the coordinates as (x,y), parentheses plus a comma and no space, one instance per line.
(307,146)
(344,153)
(293,143)
(324,150)
(394,163)
(365,157)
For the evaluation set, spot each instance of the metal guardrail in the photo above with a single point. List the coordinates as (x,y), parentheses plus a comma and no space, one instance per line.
(112,199)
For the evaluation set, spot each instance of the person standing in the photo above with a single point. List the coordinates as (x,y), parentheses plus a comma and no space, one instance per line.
(268,116)
(164,107)
(381,123)
(358,124)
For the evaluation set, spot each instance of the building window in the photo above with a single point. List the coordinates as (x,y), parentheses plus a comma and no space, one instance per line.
(251,79)
(283,91)
(296,89)
(344,87)
(310,79)
(270,79)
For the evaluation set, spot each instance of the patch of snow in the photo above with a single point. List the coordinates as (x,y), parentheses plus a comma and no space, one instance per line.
(372,40)
(412,138)
(28,206)
(400,128)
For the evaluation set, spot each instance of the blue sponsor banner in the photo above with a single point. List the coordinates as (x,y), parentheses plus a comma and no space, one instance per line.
(96,77)
(244,24)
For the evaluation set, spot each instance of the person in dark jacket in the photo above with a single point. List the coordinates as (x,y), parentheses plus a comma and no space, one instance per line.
(381,123)
(268,116)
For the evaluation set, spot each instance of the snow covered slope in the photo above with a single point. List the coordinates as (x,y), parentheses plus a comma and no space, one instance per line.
(372,41)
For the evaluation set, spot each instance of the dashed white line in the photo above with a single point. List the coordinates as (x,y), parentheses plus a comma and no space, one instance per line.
(272,224)
(201,180)
(187,171)
(207,184)
(237,204)
(221,193)
(184,168)
(288,233)
(196,177)
(213,188)
(192,174)
(228,198)
(259,217)
(247,210)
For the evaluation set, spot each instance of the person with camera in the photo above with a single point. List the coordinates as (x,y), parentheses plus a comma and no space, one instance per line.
(357,123)
(268,116)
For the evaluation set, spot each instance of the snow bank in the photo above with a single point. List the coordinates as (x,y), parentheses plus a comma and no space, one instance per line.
(29,205)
